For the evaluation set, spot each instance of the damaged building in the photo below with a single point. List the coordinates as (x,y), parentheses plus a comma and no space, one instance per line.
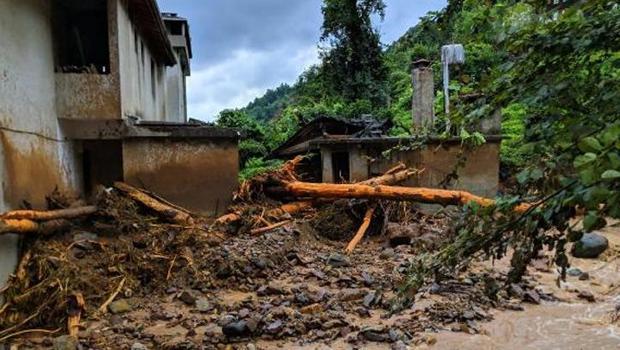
(93,92)
(349,151)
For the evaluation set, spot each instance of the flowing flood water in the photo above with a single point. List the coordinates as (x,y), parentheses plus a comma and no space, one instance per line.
(571,323)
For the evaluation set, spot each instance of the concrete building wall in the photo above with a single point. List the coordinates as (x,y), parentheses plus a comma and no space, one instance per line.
(34,158)
(142,78)
(200,175)
(479,173)
(175,90)
(93,96)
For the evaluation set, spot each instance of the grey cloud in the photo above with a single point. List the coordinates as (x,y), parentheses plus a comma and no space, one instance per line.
(243,47)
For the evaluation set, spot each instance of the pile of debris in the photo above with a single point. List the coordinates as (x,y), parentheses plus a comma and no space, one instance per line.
(288,246)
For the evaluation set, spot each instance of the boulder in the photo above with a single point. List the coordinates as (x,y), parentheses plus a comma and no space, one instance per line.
(590,246)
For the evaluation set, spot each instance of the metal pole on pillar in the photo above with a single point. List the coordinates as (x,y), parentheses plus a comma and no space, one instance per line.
(450,54)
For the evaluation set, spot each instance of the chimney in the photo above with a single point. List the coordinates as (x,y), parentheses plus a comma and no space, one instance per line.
(423,96)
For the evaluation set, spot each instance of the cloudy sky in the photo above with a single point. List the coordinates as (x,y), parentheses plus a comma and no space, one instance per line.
(243,47)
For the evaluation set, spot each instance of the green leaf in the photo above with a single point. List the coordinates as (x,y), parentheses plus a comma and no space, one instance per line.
(584,159)
(593,222)
(590,144)
(611,174)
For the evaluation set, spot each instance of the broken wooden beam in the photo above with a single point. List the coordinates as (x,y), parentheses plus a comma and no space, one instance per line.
(361,231)
(258,231)
(45,215)
(25,226)
(415,194)
(163,210)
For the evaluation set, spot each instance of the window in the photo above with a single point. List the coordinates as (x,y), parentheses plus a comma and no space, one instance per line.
(81,36)
(153,78)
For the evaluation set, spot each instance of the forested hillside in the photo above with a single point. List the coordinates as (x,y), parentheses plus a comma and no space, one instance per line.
(478,25)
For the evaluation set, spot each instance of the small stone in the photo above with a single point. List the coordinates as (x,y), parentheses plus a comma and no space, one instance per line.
(516,290)
(226,319)
(203,305)
(387,253)
(584,276)
(236,329)
(574,272)
(274,327)
(119,306)
(138,346)
(590,246)
(586,296)
(337,260)
(435,288)
(376,334)
(369,299)
(187,298)
(65,342)
(272,288)
(351,294)
(250,347)
(400,345)
(368,279)
(531,296)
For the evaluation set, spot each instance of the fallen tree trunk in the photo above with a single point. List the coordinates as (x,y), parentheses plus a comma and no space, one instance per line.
(415,194)
(361,231)
(36,215)
(24,226)
(393,176)
(165,211)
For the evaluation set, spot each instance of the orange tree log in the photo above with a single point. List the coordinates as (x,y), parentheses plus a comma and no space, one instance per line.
(49,214)
(165,211)
(414,194)
(361,231)
(24,226)
(393,176)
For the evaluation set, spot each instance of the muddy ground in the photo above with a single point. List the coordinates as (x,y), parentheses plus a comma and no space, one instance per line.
(292,288)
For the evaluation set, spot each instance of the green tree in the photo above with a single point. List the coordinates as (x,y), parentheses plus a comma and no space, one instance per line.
(352,65)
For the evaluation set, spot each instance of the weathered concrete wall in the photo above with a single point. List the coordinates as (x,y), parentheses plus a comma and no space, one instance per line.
(34,158)
(200,175)
(142,79)
(93,96)
(479,174)
(175,89)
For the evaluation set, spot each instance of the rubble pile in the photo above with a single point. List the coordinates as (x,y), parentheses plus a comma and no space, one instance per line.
(139,271)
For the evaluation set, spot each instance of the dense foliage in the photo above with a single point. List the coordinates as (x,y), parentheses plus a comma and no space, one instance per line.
(561,79)
(352,65)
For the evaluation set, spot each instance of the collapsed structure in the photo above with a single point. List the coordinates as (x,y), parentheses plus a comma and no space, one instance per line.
(93,92)
(356,150)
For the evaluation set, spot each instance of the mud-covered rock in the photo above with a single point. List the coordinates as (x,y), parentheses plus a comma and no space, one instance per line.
(590,246)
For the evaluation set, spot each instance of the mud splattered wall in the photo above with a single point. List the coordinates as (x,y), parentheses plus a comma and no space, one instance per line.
(200,175)
(35,158)
(142,78)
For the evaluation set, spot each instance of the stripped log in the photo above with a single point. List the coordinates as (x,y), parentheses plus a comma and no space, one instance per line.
(75,307)
(36,215)
(165,211)
(25,226)
(361,231)
(393,176)
(415,194)
(258,231)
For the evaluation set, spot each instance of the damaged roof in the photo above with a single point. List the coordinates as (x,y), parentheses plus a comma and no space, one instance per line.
(325,127)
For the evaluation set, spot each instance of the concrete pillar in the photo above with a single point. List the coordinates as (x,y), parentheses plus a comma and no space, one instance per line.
(423,96)
(327,169)
(358,165)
